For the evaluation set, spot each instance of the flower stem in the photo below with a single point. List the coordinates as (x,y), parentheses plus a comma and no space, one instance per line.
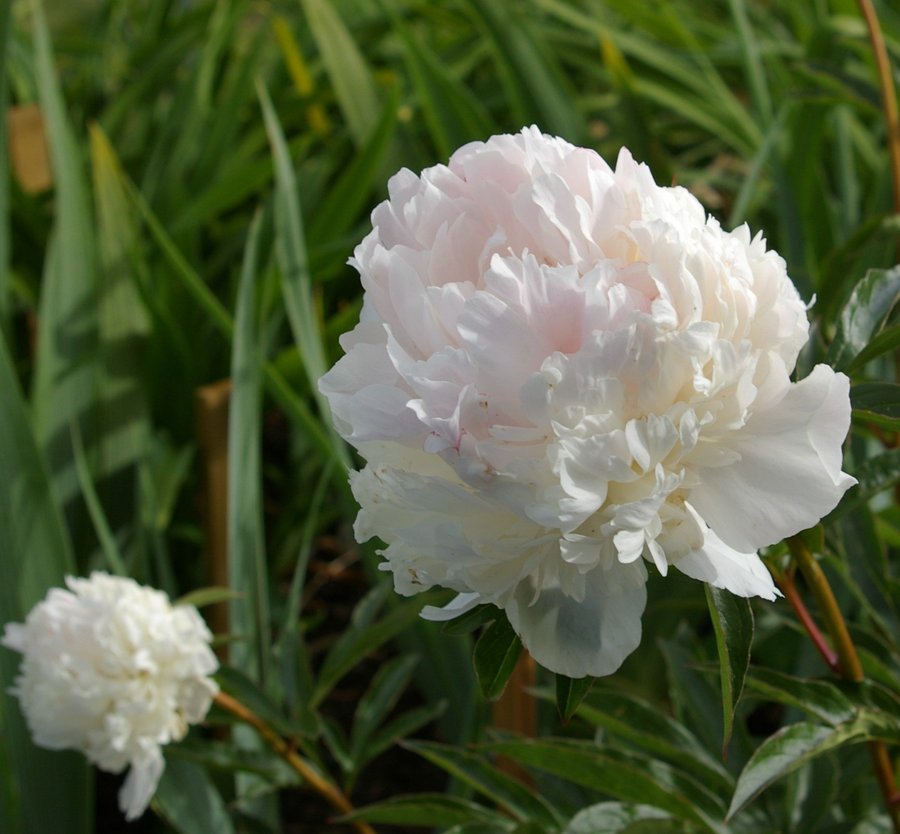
(848,664)
(331,793)
(888,95)
(786,583)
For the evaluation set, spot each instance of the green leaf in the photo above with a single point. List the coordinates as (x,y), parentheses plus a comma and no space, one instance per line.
(350,76)
(482,775)
(651,729)
(496,652)
(732,619)
(247,569)
(877,402)
(428,809)
(350,193)
(570,693)
(362,638)
(886,341)
(792,747)
(453,115)
(229,757)
(5,43)
(65,384)
(202,597)
(863,316)
(472,619)
(614,818)
(874,475)
(613,775)
(252,696)
(820,699)
(296,281)
(188,801)
(379,699)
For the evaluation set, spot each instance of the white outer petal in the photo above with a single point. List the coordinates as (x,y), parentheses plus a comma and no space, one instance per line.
(592,637)
(789,475)
(140,784)
(722,566)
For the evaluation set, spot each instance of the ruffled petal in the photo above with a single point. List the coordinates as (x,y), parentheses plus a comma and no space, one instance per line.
(140,784)
(592,637)
(722,566)
(789,473)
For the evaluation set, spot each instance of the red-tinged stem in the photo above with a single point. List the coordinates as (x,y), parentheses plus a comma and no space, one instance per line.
(792,595)
(849,666)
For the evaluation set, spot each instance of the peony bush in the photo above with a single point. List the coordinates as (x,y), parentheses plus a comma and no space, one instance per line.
(564,374)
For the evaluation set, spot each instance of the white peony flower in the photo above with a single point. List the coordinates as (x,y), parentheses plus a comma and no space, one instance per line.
(111,668)
(563,372)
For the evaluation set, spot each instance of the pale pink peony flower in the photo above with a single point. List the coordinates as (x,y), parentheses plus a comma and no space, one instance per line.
(563,372)
(112,669)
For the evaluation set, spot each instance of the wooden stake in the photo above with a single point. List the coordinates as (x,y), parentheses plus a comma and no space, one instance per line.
(516,711)
(212,432)
(28,150)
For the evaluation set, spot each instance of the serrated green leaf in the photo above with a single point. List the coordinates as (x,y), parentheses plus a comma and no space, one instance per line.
(570,693)
(865,312)
(732,619)
(877,402)
(496,652)
(188,801)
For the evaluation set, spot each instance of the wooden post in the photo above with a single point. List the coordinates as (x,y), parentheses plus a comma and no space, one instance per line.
(212,431)
(28,150)
(516,711)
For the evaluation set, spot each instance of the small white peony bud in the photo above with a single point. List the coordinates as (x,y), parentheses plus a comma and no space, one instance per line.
(114,670)
(564,373)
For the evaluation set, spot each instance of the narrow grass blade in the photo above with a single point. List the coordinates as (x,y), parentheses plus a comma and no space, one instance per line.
(47,790)
(65,378)
(290,245)
(350,75)
(246,547)
(5,30)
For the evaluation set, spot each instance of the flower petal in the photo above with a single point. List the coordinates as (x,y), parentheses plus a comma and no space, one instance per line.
(140,784)
(591,637)
(789,472)
(722,566)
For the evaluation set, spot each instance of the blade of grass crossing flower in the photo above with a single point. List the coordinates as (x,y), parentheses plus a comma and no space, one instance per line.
(350,76)
(65,377)
(246,548)
(290,245)
(44,790)
(732,619)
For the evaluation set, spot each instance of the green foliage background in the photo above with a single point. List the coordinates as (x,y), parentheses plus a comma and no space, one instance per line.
(214,165)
